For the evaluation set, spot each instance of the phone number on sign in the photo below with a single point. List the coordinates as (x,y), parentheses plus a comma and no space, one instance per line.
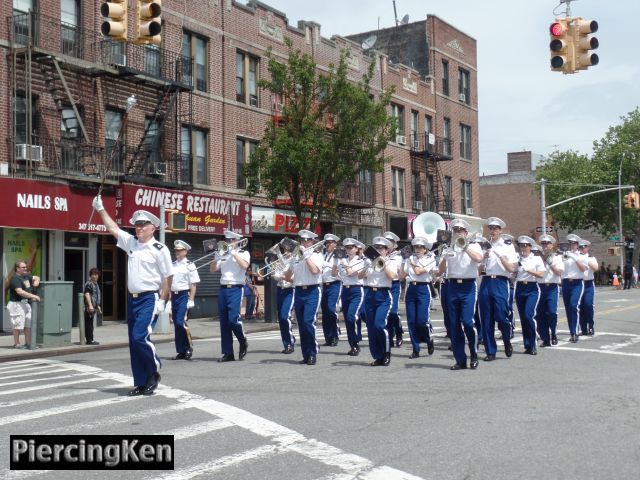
(92,227)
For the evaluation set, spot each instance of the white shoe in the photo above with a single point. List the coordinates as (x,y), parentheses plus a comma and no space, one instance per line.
(17,345)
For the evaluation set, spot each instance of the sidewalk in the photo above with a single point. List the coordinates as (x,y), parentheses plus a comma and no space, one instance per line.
(114,335)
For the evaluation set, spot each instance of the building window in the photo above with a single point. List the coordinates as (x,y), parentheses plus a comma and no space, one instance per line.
(193,147)
(465,203)
(445,77)
(446,133)
(414,130)
(194,52)
(152,60)
(247,78)
(151,144)
(417,191)
(430,139)
(398,112)
(22,120)
(430,195)
(244,150)
(465,141)
(365,182)
(69,135)
(69,29)
(447,187)
(397,187)
(112,125)
(21,27)
(464,90)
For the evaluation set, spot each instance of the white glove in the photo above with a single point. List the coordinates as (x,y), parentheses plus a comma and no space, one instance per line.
(190,304)
(97,203)
(160,306)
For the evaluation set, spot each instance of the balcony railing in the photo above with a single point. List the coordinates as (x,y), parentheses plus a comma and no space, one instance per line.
(356,193)
(425,144)
(50,35)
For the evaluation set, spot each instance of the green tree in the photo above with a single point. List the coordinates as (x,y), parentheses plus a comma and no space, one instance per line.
(619,149)
(330,129)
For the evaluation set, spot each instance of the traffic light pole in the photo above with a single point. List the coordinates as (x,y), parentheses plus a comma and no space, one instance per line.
(623,249)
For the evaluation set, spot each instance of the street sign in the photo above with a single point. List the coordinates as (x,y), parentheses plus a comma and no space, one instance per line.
(615,238)
(621,244)
(549,229)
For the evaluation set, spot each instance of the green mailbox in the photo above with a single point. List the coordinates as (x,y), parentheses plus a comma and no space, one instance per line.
(54,313)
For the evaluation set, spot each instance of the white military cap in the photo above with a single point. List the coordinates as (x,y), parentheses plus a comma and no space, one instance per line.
(181,245)
(350,241)
(507,237)
(421,241)
(231,235)
(361,245)
(573,238)
(382,241)
(496,221)
(307,234)
(330,237)
(391,236)
(584,243)
(526,239)
(547,238)
(458,222)
(144,216)
(536,247)
(479,239)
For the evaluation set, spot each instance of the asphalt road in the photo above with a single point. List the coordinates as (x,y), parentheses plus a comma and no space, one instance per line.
(571,412)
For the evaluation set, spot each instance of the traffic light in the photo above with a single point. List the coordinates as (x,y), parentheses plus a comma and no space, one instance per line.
(633,200)
(584,43)
(115,23)
(627,200)
(148,22)
(177,221)
(615,251)
(561,46)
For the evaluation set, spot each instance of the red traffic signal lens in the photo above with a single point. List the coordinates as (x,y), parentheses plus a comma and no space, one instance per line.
(556,29)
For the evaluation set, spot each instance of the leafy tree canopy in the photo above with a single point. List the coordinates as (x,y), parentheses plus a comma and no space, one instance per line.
(330,129)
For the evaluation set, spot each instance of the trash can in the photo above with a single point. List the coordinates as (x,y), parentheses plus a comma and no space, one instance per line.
(54,313)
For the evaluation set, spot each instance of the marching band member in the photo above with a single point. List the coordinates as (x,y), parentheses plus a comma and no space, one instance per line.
(378,304)
(331,291)
(461,267)
(394,325)
(352,271)
(508,240)
(306,276)
(417,269)
(547,311)
(183,294)
(587,303)
(232,267)
(493,299)
(149,275)
(285,299)
(573,285)
(530,269)
(360,248)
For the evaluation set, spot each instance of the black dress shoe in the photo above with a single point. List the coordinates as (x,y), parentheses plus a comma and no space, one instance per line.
(357,347)
(474,362)
(533,351)
(430,347)
(354,352)
(459,366)
(327,343)
(243,350)
(304,361)
(450,348)
(180,356)
(152,384)
(545,344)
(377,363)
(311,360)
(188,354)
(399,340)
(554,340)
(93,342)
(386,359)
(289,349)
(574,338)
(508,349)
(135,392)
(590,333)
(527,351)
(334,342)
(414,354)
(226,358)
(489,358)
(584,333)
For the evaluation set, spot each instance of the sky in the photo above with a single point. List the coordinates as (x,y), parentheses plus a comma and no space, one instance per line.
(523,105)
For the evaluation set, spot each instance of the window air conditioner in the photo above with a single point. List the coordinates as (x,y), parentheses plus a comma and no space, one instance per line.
(417,204)
(401,140)
(462,97)
(118,59)
(159,168)
(469,211)
(253,101)
(28,152)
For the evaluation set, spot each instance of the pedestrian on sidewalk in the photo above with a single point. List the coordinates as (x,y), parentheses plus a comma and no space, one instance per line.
(92,305)
(149,276)
(20,292)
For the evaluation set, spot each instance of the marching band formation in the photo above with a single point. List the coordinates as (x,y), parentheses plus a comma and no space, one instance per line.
(478,280)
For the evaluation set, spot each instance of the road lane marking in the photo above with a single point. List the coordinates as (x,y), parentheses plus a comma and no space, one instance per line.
(56,396)
(52,385)
(197,429)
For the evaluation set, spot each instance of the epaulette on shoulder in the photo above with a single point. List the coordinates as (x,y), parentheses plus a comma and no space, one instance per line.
(158,245)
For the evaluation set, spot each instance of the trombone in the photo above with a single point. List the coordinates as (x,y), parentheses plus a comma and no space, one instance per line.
(219,251)
(224,248)
(302,253)
(279,257)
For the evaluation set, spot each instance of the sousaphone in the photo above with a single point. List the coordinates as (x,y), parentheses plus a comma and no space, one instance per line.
(427,225)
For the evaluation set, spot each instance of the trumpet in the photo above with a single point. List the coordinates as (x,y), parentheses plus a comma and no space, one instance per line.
(301,255)
(380,263)
(224,248)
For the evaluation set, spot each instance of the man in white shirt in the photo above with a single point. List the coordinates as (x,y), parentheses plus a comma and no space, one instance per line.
(183,293)
(573,285)
(587,309)
(331,290)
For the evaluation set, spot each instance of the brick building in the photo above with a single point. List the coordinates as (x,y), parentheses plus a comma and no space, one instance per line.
(69,128)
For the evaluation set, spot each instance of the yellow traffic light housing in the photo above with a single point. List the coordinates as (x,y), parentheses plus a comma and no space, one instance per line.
(115,19)
(584,43)
(177,221)
(627,201)
(148,22)
(634,198)
(561,46)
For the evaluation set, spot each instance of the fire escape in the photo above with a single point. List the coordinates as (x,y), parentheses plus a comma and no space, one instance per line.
(69,87)
(427,151)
